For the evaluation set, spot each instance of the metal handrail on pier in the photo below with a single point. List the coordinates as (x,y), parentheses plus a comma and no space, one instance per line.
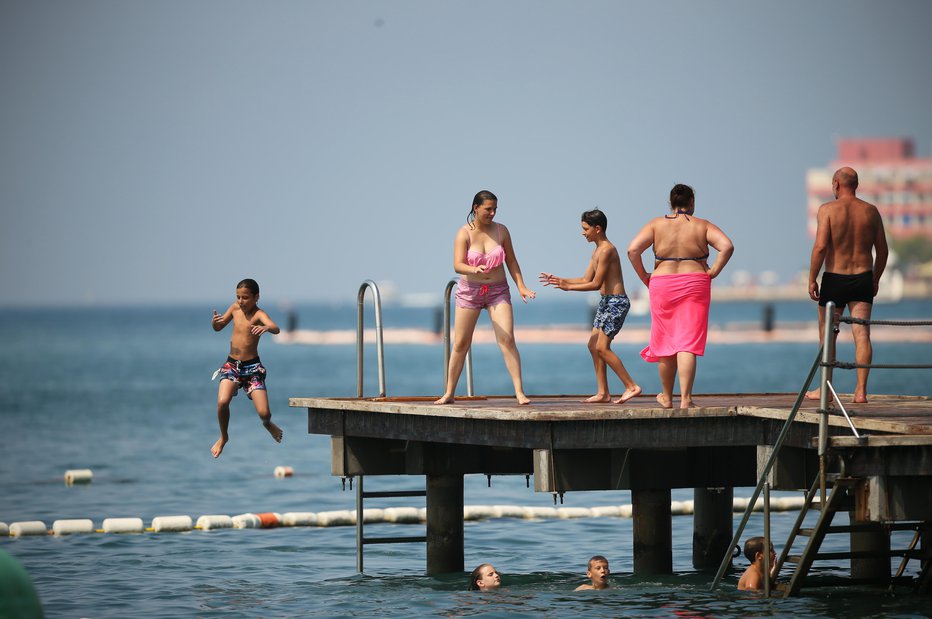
(379,343)
(446,341)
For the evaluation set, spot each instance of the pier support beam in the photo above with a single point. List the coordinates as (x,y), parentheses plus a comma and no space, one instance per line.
(877,543)
(444,524)
(653,532)
(712,526)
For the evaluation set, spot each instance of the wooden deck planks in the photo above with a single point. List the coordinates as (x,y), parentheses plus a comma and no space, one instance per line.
(895,415)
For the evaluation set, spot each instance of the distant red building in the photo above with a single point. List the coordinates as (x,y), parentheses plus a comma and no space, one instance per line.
(890,177)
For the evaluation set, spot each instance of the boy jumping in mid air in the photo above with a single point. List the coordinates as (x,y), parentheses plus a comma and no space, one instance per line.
(597,571)
(753,577)
(603,274)
(243,368)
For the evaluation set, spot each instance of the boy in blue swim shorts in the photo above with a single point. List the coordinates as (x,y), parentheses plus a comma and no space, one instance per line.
(242,369)
(602,274)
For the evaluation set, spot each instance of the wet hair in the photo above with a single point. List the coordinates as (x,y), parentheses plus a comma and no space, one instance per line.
(681,196)
(476,574)
(250,285)
(595,217)
(753,546)
(595,559)
(479,198)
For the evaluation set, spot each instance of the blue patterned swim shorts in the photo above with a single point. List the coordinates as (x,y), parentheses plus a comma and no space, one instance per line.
(248,375)
(611,314)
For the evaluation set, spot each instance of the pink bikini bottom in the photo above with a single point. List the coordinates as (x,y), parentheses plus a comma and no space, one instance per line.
(471,295)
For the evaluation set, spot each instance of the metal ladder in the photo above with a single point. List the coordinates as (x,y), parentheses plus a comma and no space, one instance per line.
(840,498)
(361,494)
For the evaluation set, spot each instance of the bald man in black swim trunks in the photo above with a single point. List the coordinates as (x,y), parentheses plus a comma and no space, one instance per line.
(849,229)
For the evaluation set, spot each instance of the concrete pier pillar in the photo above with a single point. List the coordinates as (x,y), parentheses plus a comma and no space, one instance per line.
(712,526)
(874,541)
(653,530)
(444,524)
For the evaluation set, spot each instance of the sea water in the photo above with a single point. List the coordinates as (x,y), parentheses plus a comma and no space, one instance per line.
(126,392)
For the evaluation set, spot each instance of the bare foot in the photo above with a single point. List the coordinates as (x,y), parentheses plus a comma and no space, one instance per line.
(815,394)
(628,394)
(523,399)
(447,399)
(688,404)
(664,401)
(218,447)
(274,430)
(598,398)
(859,398)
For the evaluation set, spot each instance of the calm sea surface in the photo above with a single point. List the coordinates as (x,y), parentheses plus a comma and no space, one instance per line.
(127,393)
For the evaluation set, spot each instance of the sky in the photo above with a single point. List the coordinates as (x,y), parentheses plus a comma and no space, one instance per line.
(159,152)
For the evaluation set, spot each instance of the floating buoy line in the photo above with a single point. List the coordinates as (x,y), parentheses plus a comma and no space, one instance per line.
(393,515)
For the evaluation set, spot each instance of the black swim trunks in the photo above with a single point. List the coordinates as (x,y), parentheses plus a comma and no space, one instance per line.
(844,289)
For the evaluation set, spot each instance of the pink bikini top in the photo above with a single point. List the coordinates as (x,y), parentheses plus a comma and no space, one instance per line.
(491,260)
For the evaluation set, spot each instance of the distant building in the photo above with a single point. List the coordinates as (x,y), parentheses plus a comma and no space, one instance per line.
(890,176)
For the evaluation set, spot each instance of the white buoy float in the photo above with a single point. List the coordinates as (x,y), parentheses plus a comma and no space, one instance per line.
(402,515)
(336,518)
(73,527)
(246,521)
(543,512)
(606,511)
(165,524)
(79,476)
(123,525)
(283,471)
(301,519)
(214,521)
(29,527)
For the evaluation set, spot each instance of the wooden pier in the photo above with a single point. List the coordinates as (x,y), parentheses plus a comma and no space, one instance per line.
(568,446)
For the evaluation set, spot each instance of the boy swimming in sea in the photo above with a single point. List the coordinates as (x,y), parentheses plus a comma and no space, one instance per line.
(602,274)
(243,368)
(597,572)
(753,577)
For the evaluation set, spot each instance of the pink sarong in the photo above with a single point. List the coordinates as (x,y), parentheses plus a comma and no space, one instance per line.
(679,314)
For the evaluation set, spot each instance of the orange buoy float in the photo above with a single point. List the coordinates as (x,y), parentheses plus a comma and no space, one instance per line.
(269,520)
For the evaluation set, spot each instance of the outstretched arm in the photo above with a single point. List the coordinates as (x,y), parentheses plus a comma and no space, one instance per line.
(723,245)
(641,241)
(219,321)
(572,283)
(514,268)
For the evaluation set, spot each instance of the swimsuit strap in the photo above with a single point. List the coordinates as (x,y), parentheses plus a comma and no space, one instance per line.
(697,258)
(677,214)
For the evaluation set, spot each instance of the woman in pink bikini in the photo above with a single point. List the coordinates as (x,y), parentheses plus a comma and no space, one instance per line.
(481,252)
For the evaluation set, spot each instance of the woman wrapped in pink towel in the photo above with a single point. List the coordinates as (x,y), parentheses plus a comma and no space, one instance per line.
(680,289)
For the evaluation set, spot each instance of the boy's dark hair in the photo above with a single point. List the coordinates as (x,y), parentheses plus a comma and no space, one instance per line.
(250,285)
(753,546)
(595,217)
(595,557)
